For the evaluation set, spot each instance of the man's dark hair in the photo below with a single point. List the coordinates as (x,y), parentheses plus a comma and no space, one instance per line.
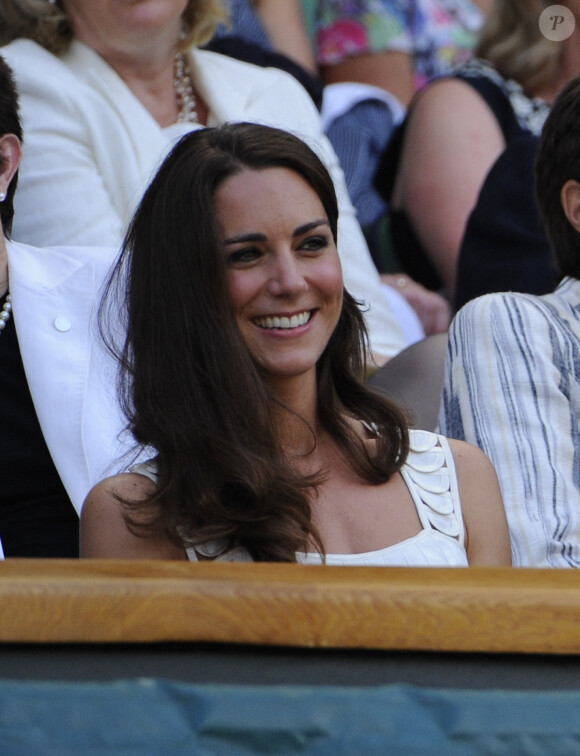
(9,124)
(557,161)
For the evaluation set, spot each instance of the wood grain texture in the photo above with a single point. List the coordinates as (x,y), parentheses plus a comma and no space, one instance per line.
(475,609)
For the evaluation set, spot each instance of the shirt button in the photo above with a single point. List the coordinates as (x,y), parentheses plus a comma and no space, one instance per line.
(62,324)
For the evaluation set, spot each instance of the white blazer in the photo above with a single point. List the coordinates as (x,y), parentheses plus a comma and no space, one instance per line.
(91,148)
(71,376)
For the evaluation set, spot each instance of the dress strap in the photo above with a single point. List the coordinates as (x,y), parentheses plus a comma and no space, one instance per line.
(430,475)
(148,469)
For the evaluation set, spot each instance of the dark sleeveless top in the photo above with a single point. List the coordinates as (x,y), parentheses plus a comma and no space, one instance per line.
(516,113)
(505,247)
(37,518)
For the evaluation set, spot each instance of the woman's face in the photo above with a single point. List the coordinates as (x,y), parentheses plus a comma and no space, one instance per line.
(113,26)
(284,274)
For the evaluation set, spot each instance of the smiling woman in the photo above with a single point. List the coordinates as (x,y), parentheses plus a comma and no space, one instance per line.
(247,384)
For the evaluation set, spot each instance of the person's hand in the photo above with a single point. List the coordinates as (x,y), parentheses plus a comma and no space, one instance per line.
(432,309)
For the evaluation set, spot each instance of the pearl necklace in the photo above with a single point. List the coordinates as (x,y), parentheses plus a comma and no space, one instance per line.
(184,91)
(5,314)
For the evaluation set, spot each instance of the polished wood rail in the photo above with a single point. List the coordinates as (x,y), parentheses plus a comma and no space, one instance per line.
(467,610)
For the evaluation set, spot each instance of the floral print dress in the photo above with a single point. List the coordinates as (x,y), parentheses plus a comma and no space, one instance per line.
(439,34)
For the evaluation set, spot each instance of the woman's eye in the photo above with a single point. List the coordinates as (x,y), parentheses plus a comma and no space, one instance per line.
(241,256)
(314,243)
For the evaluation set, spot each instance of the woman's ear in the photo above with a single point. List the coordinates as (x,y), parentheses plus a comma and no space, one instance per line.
(10,154)
(570,199)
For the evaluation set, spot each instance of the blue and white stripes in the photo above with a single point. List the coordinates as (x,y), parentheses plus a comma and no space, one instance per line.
(512,387)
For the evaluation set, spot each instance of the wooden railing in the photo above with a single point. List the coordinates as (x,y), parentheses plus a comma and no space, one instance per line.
(475,609)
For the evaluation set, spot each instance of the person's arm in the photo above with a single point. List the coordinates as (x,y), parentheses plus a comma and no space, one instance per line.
(433,310)
(488,541)
(284,24)
(103,531)
(391,70)
(451,141)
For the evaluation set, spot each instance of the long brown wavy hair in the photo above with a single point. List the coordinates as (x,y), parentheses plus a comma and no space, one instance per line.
(188,384)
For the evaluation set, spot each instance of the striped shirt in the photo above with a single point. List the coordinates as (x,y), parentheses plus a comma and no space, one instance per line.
(512,387)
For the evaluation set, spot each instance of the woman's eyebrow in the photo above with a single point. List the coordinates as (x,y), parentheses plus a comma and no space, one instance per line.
(255,236)
(249,237)
(310,226)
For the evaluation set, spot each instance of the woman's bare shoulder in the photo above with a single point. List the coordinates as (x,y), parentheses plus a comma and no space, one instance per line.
(446,96)
(129,486)
(470,460)
(488,540)
(448,110)
(103,529)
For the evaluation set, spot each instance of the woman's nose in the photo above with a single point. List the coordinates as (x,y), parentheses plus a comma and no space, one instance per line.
(287,276)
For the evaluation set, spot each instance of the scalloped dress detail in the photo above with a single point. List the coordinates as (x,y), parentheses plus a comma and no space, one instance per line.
(429,473)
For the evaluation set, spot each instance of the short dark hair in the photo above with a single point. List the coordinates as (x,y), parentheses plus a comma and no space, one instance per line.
(557,161)
(9,124)
(189,387)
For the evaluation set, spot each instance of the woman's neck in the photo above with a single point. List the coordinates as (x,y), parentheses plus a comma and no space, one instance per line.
(296,413)
(146,65)
(151,80)
(153,86)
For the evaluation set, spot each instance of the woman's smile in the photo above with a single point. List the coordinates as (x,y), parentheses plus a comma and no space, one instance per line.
(284,322)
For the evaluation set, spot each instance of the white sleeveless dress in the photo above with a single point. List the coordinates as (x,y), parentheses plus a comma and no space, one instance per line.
(429,473)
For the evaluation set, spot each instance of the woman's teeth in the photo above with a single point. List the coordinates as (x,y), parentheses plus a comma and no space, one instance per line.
(283,321)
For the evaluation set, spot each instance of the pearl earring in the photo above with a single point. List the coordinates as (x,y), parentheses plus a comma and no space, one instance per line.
(2,196)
